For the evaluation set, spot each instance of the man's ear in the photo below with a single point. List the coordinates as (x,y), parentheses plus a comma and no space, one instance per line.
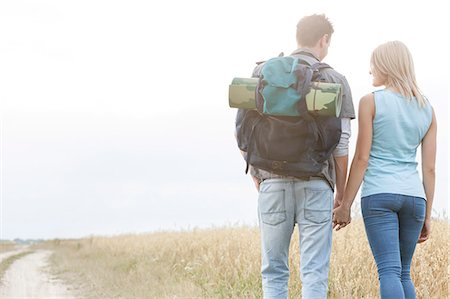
(324,40)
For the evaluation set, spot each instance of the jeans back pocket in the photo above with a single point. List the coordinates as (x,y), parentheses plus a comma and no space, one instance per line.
(318,205)
(272,207)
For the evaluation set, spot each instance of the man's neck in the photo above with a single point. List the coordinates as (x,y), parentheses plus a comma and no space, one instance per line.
(313,51)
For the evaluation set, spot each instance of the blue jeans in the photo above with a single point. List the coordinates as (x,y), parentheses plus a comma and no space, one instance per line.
(281,204)
(393,224)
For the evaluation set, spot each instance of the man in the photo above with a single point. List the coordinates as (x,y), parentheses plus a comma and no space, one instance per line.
(286,200)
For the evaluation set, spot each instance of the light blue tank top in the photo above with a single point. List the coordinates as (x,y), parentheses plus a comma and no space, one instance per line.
(399,126)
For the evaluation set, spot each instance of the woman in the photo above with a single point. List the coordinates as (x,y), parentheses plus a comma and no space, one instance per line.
(396,204)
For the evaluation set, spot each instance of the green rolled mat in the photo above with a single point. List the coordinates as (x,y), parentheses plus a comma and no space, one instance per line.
(323,98)
(241,93)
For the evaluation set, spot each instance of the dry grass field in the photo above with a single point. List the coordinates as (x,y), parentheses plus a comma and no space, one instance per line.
(7,246)
(225,263)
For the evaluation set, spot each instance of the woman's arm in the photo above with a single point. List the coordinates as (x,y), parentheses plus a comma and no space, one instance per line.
(428,174)
(360,161)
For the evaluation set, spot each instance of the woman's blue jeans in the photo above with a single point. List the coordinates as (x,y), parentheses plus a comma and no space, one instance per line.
(393,224)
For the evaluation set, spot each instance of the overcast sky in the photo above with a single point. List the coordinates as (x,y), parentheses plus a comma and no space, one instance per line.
(115,117)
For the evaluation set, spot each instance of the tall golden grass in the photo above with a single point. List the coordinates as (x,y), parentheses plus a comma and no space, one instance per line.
(225,263)
(7,246)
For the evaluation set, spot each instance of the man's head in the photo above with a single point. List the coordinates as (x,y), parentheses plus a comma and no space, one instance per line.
(314,32)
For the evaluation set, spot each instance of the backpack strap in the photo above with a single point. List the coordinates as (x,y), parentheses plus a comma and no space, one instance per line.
(317,66)
(316,69)
(307,54)
(304,75)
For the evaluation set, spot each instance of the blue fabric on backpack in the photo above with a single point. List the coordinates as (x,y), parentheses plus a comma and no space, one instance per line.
(281,136)
(280,80)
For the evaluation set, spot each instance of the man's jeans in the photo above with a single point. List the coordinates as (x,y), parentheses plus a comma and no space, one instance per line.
(393,224)
(281,204)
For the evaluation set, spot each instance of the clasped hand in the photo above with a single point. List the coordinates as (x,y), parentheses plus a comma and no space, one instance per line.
(341,217)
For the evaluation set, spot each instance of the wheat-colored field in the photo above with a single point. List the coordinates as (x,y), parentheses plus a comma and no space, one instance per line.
(225,263)
(7,246)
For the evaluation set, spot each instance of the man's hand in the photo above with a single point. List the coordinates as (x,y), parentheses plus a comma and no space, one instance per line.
(341,217)
(257,182)
(426,231)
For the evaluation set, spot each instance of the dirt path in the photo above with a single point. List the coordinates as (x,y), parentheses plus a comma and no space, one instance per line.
(28,278)
(7,254)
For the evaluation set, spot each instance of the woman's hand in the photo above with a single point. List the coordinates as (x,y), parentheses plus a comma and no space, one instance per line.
(341,217)
(426,231)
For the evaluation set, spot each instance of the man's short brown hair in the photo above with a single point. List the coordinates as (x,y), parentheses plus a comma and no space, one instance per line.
(311,28)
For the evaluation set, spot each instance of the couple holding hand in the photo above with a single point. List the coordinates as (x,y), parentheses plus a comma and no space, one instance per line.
(395,201)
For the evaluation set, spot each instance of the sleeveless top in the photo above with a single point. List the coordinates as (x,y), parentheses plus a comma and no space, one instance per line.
(399,125)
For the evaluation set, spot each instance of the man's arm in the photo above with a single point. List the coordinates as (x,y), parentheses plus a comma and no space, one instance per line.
(255,179)
(257,182)
(341,165)
(340,155)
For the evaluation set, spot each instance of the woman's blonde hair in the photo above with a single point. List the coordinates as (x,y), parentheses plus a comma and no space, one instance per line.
(393,62)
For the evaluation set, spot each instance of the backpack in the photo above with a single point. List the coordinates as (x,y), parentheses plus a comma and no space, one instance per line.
(281,135)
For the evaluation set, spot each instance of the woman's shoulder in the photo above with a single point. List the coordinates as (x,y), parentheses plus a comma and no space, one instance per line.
(367,105)
(380,93)
(375,97)
(367,99)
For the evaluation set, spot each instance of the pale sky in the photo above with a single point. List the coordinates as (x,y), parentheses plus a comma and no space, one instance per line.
(115,117)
